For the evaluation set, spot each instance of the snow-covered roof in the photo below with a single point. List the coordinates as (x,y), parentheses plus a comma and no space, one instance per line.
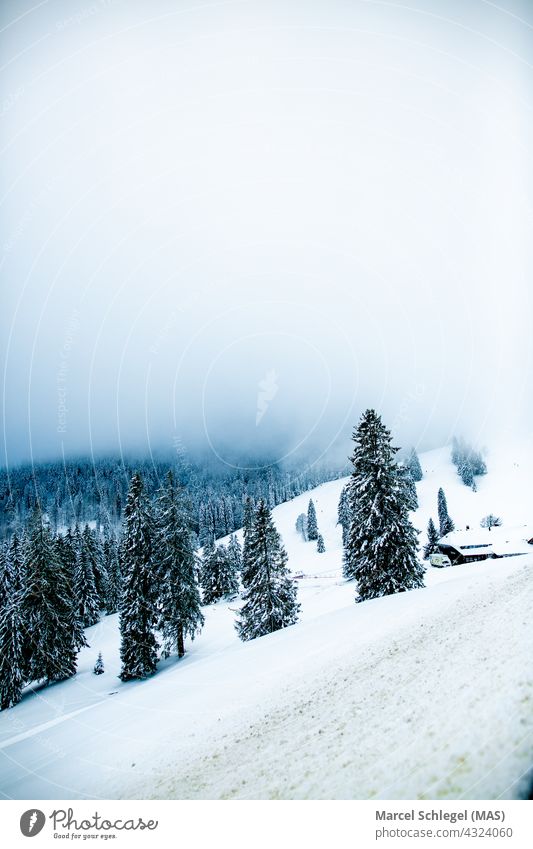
(476,541)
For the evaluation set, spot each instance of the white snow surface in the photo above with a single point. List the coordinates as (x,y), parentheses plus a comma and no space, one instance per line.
(426,694)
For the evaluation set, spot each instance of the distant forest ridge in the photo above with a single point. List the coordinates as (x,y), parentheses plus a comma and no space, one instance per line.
(82,490)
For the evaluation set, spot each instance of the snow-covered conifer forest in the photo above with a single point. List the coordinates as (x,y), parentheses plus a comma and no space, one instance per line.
(253,633)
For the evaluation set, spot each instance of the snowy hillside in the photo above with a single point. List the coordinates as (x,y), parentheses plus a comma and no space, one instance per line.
(423,694)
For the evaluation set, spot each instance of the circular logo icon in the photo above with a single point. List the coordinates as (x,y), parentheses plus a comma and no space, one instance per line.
(32,822)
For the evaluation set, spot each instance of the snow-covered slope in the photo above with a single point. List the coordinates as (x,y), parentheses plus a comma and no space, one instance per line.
(423,694)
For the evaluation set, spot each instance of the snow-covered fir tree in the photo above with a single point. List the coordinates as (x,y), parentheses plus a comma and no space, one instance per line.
(219,579)
(344,516)
(413,464)
(15,554)
(382,547)
(85,586)
(433,538)
(11,652)
(47,609)
(270,599)
(248,520)
(111,559)
(235,554)
(465,473)
(301,526)
(312,526)
(99,665)
(68,548)
(411,495)
(320,546)
(468,460)
(6,577)
(140,592)
(180,615)
(445,523)
(93,551)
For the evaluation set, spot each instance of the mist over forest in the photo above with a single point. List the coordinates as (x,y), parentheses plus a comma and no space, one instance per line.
(243,228)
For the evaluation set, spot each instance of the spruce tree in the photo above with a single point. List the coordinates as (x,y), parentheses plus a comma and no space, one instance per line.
(88,601)
(270,599)
(344,514)
(320,547)
(465,473)
(179,601)
(248,520)
(312,526)
(6,577)
(47,608)
(15,554)
(93,551)
(413,464)
(11,653)
(411,495)
(445,523)
(382,547)
(301,526)
(433,539)
(99,665)
(138,603)
(67,553)
(235,554)
(111,559)
(219,579)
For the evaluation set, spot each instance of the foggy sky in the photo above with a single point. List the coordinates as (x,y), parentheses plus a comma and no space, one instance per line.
(241,223)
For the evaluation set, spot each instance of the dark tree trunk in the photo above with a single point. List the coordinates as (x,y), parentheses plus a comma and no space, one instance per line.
(181,646)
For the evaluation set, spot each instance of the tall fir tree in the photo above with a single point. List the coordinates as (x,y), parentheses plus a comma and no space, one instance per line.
(219,580)
(382,548)
(88,601)
(140,592)
(411,495)
(301,526)
(465,473)
(46,607)
(344,516)
(111,558)
(15,554)
(413,464)
(248,521)
(312,525)
(93,551)
(445,523)
(235,554)
(66,552)
(179,602)
(270,599)
(433,539)
(11,653)
(6,576)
